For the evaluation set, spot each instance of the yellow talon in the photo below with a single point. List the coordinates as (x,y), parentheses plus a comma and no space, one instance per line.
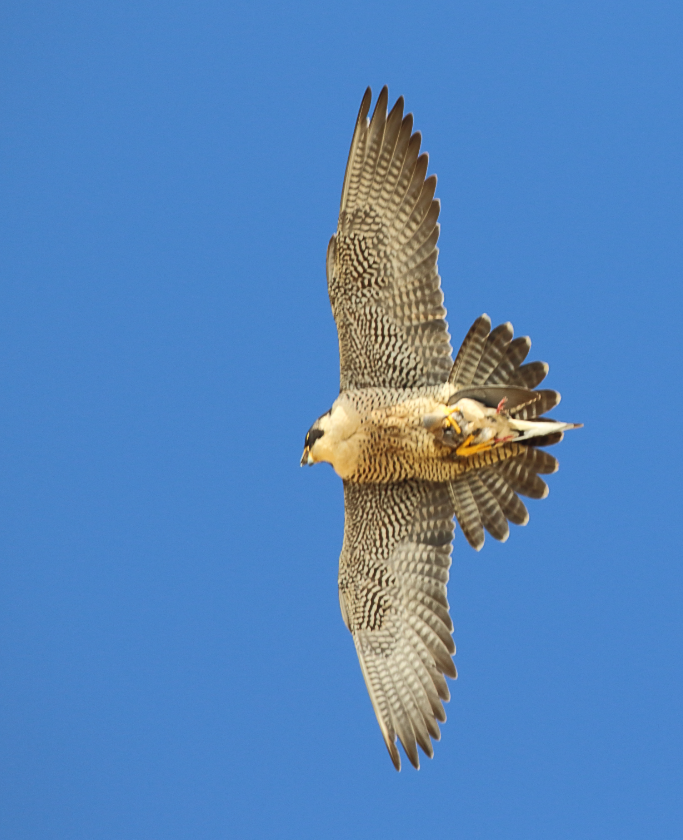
(451,422)
(465,449)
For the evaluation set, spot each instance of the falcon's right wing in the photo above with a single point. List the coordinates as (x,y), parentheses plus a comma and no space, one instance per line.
(393,572)
(382,276)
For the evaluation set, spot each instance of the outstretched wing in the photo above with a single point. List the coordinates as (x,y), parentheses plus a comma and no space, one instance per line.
(382,276)
(393,572)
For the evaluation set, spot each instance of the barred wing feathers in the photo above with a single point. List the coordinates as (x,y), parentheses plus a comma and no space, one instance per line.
(382,274)
(393,572)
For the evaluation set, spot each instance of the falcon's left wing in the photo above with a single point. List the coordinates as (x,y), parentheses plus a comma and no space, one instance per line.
(382,276)
(393,571)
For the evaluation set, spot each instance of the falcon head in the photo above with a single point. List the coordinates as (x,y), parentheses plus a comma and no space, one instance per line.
(334,438)
(311,455)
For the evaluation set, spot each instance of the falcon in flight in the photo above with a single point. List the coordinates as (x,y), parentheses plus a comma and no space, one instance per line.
(416,437)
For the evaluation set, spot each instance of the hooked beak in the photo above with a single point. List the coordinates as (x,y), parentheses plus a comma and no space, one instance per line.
(306,460)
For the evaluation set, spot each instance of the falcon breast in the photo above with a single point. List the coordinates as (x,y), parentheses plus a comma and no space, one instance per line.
(417,438)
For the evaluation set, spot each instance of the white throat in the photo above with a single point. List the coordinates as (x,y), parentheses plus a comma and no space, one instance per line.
(340,442)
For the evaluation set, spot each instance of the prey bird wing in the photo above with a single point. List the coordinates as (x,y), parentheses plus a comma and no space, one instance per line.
(382,274)
(393,572)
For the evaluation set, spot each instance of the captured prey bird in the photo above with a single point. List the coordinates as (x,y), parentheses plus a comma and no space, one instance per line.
(417,438)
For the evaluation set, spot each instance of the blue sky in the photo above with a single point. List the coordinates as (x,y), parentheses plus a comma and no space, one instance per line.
(173,660)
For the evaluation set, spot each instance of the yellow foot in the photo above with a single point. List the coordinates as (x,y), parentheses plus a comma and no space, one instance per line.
(449,421)
(466,448)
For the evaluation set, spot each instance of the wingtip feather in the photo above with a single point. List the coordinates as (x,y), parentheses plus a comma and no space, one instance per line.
(393,753)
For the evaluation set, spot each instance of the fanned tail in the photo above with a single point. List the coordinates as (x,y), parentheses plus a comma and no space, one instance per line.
(490,368)
(487,499)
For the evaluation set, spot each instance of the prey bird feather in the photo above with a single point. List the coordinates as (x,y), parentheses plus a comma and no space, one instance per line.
(417,438)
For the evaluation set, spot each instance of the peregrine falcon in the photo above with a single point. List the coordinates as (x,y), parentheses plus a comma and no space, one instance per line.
(417,438)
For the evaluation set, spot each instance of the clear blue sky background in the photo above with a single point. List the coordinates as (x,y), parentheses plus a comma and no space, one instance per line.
(173,661)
